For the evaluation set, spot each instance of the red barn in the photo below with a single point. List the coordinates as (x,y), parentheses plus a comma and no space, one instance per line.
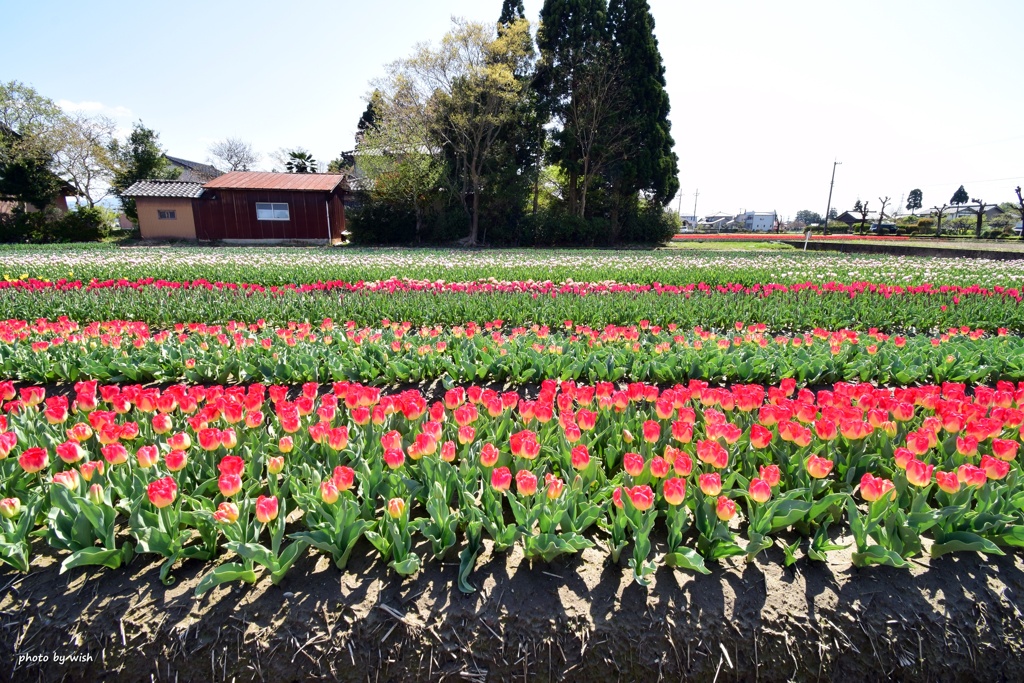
(248,206)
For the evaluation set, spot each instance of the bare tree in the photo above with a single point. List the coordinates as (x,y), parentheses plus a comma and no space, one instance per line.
(862,209)
(881,212)
(234,154)
(980,213)
(81,155)
(940,211)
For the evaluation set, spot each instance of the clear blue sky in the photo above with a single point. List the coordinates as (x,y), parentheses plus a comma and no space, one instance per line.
(913,93)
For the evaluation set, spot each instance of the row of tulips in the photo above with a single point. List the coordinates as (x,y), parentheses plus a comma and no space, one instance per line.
(265,473)
(393,352)
(788,306)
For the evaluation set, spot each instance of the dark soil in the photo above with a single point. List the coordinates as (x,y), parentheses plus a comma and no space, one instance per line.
(580,619)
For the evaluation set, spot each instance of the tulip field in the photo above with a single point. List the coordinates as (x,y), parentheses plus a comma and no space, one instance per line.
(229,418)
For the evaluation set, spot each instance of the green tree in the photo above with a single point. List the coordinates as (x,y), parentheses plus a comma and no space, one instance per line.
(369,118)
(140,157)
(300,161)
(26,148)
(511,11)
(960,197)
(808,217)
(573,71)
(914,201)
(648,164)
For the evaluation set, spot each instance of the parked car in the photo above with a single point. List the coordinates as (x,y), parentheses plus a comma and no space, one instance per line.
(884,229)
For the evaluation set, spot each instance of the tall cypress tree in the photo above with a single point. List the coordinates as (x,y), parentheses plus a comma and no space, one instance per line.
(572,32)
(651,166)
(512,10)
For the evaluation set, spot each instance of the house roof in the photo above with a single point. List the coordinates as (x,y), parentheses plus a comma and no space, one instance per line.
(193,171)
(165,188)
(295,182)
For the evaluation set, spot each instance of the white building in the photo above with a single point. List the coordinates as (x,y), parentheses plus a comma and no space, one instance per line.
(757,221)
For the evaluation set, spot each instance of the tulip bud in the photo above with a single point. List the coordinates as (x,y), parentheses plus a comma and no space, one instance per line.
(329,492)
(275,464)
(501,479)
(227,513)
(95,494)
(10,508)
(285,444)
(396,507)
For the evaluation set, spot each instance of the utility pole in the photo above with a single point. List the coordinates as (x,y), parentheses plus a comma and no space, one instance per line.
(828,209)
(696,193)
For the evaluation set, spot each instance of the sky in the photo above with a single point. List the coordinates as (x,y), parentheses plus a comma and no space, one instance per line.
(765,95)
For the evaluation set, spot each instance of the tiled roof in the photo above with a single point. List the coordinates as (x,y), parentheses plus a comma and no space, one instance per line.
(252,180)
(193,171)
(165,188)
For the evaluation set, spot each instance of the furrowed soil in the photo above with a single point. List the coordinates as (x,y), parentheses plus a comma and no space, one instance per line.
(577,619)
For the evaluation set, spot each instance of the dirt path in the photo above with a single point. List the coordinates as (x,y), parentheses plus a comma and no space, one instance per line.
(955,618)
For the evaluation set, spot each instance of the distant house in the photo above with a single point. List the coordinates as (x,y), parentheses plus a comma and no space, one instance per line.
(852,218)
(193,171)
(251,206)
(165,208)
(757,221)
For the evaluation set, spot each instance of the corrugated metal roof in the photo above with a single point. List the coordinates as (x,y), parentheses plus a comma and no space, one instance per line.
(252,180)
(165,188)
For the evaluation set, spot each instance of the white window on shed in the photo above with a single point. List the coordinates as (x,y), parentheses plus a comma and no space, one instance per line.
(266,211)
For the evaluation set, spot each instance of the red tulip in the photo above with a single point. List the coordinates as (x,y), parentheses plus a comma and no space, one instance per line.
(79,432)
(115,454)
(580,457)
(344,477)
(633,463)
(586,419)
(554,486)
(947,481)
(162,492)
(760,436)
(394,458)
(760,490)
(771,474)
(176,460)
(994,469)
(70,452)
(674,490)
(501,479)
(178,442)
(69,479)
(526,483)
(712,453)
(970,475)
(88,469)
(659,468)
(919,473)
(902,456)
(266,509)
(1004,449)
(826,429)
(873,488)
(682,431)
(466,435)
(448,451)
(147,456)
(651,431)
(231,464)
(725,508)
(229,484)
(683,464)
(710,484)
(227,513)
(489,455)
(818,467)
(642,497)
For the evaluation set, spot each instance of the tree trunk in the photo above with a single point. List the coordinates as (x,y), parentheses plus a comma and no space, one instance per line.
(475,222)
(573,183)
(981,216)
